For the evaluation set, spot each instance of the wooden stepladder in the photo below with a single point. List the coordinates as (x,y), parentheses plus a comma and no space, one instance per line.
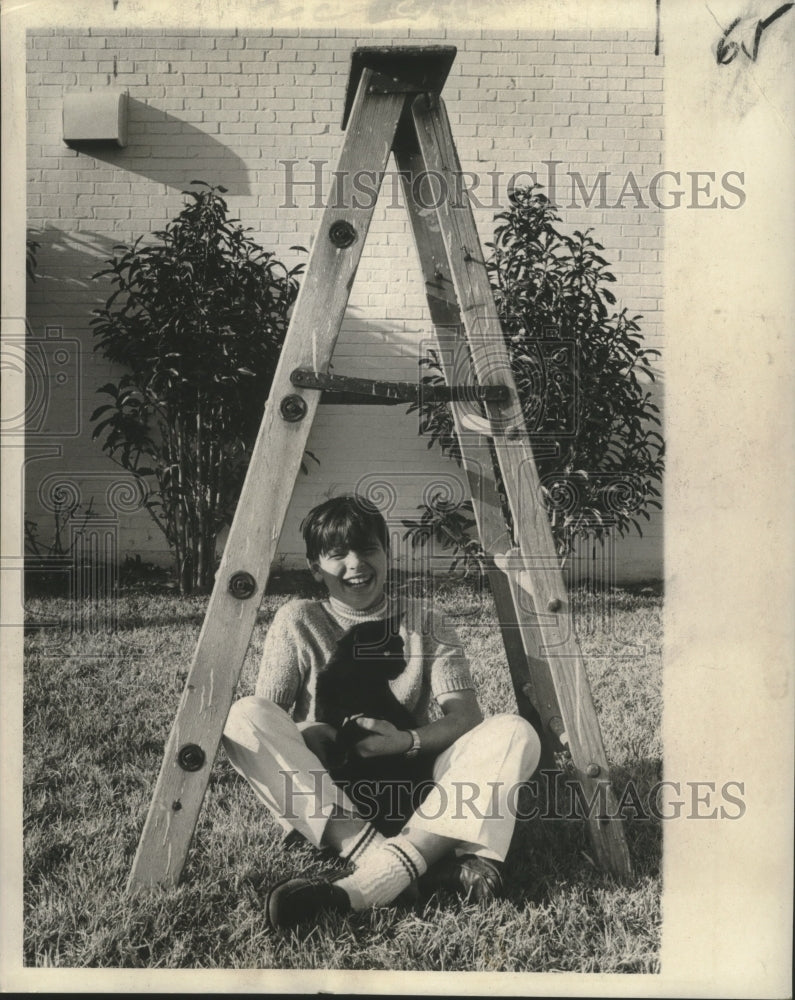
(393,104)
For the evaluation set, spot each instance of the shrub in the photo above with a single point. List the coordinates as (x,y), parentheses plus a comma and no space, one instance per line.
(582,375)
(197,319)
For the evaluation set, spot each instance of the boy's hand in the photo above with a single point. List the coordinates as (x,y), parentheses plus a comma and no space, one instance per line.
(385,739)
(320,738)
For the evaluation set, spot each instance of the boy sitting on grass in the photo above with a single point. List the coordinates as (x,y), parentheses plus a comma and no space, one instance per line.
(462,829)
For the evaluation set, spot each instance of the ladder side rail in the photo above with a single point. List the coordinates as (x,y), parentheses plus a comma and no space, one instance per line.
(269,483)
(542,575)
(530,672)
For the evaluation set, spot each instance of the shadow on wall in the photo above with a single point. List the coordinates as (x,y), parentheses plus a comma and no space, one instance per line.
(65,262)
(61,300)
(62,375)
(171,151)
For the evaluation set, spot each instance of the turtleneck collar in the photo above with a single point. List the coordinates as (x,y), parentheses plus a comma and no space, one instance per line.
(348,616)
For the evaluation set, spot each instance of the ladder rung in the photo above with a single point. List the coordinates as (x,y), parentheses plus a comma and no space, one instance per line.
(397,392)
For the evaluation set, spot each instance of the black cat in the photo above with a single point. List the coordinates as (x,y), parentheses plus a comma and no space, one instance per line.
(356,683)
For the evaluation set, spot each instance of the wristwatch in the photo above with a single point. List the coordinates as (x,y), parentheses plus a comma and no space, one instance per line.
(416,743)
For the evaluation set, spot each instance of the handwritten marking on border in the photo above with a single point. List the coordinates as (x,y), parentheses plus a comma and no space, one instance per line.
(750,33)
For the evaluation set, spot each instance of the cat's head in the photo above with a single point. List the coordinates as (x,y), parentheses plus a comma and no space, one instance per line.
(377,645)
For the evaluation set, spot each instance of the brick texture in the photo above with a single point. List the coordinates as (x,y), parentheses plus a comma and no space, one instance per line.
(252,111)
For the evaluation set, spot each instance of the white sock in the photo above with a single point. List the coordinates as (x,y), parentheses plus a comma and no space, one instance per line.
(388,869)
(368,840)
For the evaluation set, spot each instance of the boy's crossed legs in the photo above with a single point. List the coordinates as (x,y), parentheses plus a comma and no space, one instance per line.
(470,811)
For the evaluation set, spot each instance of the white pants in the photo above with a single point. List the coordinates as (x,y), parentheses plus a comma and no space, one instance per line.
(473,800)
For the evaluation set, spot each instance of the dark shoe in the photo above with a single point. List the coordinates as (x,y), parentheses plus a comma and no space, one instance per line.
(471,877)
(297,900)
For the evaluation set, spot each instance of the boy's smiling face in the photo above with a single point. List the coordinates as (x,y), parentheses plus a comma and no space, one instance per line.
(355,576)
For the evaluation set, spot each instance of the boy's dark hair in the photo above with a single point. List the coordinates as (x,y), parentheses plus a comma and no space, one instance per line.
(344,522)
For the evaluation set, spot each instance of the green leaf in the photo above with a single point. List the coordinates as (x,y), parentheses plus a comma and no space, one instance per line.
(100,410)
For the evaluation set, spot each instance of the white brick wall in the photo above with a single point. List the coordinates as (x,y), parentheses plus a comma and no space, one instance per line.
(228,107)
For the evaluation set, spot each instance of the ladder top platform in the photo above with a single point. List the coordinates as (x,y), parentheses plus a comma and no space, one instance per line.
(422,66)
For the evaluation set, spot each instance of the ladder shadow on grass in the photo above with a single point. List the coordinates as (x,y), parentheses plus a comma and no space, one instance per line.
(551,848)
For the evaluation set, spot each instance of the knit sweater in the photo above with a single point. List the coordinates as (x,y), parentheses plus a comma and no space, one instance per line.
(304,633)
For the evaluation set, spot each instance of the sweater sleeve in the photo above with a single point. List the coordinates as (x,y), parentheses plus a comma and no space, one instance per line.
(449,664)
(281,667)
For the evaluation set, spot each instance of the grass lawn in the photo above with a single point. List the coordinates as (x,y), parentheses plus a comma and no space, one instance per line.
(98,709)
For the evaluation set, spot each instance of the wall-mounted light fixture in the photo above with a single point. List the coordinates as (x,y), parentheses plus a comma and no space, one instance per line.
(97,116)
